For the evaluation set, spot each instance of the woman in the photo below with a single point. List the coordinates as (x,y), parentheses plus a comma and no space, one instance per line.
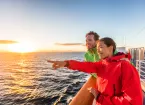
(118,82)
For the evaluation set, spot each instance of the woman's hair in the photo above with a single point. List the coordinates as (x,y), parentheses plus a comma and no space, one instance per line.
(109,42)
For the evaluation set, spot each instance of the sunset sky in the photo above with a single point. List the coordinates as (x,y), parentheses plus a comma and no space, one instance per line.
(61,25)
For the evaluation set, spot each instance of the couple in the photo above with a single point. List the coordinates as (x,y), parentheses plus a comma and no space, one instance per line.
(118,82)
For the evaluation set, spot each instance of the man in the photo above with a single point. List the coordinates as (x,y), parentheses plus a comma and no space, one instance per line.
(91,55)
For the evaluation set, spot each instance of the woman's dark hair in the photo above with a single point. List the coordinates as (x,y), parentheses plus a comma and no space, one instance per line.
(109,42)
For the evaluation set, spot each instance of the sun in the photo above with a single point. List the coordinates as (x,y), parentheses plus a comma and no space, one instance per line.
(21,48)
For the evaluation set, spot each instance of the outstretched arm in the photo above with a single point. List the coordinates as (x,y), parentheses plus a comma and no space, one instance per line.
(88,67)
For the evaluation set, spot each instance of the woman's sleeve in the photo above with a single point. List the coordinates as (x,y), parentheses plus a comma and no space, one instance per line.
(88,67)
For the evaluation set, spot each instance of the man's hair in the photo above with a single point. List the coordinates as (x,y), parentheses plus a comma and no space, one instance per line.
(96,36)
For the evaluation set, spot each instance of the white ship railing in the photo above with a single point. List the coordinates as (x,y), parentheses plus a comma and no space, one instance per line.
(140,66)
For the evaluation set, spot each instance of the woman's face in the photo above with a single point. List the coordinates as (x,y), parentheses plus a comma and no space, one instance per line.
(103,50)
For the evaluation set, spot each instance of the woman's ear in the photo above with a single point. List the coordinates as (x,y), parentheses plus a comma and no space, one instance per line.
(111,48)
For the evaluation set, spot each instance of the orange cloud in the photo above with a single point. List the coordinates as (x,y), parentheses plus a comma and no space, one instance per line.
(7,42)
(69,44)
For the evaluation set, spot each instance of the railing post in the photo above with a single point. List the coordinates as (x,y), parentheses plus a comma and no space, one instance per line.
(139,68)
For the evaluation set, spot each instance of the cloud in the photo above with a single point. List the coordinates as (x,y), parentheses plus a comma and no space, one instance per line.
(69,44)
(7,42)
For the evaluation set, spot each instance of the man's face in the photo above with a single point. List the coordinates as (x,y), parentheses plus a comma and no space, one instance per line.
(90,42)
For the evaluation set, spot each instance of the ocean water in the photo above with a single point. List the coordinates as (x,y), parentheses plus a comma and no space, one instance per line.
(27,79)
